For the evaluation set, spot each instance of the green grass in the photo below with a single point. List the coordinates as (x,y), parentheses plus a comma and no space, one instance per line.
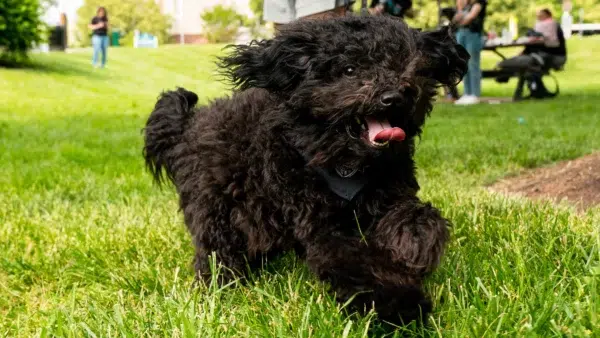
(89,247)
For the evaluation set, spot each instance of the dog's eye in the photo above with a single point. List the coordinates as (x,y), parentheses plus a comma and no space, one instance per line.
(349,71)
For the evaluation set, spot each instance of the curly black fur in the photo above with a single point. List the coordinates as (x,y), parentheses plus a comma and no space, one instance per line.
(245,167)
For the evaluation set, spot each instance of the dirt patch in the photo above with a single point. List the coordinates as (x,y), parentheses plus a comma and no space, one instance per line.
(576,181)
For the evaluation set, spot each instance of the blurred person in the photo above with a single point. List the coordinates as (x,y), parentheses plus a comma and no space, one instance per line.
(469,18)
(281,12)
(99,27)
(551,52)
(397,8)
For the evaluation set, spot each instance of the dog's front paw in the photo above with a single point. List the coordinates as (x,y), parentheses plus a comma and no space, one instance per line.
(398,305)
(416,235)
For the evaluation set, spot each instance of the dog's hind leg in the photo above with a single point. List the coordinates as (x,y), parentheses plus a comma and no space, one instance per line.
(213,233)
(233,260)
(217,228)
(230,264)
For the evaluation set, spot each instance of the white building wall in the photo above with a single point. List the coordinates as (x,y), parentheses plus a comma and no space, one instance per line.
(190,22)
(69,7)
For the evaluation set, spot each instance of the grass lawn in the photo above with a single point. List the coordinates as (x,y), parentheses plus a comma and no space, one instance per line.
(89,247)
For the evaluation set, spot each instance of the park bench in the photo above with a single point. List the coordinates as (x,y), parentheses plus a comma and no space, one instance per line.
(523,74)
(503,75)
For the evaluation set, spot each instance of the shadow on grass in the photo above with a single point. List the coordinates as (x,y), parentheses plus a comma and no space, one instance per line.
(66,69)
(59,66)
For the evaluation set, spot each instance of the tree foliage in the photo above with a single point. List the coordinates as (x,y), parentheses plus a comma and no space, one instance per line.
(499,12)
(126,16)
(257,6)
(221,23)
(591,10)
(20,28)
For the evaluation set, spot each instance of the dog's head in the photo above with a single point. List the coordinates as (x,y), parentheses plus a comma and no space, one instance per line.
(356,86)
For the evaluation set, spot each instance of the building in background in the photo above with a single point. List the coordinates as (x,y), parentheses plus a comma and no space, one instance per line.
(187,25)
(52,16)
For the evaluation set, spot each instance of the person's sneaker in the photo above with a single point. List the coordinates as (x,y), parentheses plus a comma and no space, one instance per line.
(468,99)
(462,99)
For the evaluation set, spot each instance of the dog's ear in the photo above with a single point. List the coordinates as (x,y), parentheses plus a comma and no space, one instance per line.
(277,65)
(444,59)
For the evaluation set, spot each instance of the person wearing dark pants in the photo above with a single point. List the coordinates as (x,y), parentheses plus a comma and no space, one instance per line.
(99,27)
(397,8)
(469,18)
(281,12)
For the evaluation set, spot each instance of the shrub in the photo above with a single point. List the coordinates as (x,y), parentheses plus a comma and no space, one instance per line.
(126,16)
(20,28)
(221,24)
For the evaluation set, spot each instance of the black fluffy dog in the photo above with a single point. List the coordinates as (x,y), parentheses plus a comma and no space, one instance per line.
(314,153)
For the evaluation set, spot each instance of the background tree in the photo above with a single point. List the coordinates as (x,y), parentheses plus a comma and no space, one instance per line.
(499,12)
(257,23)
(591,10)
(20,28)
(426,13)
(221,23)
(256,6)
(126,16)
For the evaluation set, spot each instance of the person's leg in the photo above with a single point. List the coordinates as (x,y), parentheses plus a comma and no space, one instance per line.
(279,12)
(558,61)
(517,63)
(473,77)
(475,64)
(550,61)
(462,39)
(318,9)
(96,46)
(104,49)
(305,10)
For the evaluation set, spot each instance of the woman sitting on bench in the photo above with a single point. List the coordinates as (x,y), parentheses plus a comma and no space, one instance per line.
(552,53)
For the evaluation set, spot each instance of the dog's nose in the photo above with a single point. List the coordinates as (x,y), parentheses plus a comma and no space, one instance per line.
(389,98)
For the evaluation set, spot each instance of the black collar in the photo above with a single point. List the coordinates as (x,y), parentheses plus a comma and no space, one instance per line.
(346,183)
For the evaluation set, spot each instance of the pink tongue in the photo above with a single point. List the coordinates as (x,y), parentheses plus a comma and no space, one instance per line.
(380,131)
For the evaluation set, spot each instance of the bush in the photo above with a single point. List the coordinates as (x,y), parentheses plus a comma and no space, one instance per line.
(221,24)
(126,16)
(20,28)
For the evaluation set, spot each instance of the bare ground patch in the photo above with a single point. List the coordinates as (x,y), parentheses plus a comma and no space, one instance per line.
(576,181)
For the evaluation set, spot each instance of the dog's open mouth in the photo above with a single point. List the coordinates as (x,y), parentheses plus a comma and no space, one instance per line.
(378,132)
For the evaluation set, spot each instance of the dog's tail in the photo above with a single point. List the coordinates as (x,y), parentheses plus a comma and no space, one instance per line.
(164,131)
